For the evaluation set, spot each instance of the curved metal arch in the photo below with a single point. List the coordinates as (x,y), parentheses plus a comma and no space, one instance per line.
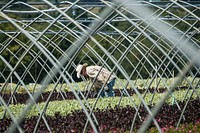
(31,98)
(20,80)
(141,129)
(28,107)
(147,37)
(126,76)
(115,44)
(19,33)
(53,63)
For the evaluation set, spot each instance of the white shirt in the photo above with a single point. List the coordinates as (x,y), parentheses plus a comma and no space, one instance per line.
(102,75)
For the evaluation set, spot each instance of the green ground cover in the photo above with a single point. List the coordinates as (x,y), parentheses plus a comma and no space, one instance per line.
(120,83)
(68,106)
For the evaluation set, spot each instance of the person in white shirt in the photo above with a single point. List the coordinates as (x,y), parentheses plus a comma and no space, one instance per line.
(100,76)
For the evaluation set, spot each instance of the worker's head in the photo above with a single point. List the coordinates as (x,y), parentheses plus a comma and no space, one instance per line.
(80,68)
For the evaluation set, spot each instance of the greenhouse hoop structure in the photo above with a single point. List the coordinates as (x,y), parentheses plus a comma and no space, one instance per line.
(151,48)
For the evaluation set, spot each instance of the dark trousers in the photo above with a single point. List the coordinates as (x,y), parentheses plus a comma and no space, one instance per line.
(110,92)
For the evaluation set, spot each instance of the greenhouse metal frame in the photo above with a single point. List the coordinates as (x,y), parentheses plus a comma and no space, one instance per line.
(147,45)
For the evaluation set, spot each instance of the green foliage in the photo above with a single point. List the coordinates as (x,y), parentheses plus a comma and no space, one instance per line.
(68,106)
(119,84)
